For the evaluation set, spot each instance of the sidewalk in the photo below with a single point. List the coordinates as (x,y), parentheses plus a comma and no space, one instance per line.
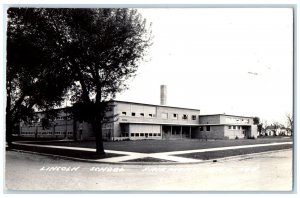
(181,157)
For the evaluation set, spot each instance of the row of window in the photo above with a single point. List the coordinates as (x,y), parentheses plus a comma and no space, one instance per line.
(163,115)
(235,127)
(150,115)
(57,118)
(237,120)
(45,133)
(207,128)
(175,116)
(141,134)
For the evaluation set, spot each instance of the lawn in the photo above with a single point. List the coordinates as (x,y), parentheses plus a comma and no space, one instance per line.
(233,152)
(156,146)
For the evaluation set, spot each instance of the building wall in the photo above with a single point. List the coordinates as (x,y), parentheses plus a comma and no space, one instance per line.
(159,114)
(134,108)
(233,132)
(148,119)
(61,127)
(227,119)
(139,131)
(168,114)
(253,132)
(215,132)
(209,119)
(148,114)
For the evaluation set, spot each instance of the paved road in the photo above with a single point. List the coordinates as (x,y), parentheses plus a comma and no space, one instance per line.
(265,172)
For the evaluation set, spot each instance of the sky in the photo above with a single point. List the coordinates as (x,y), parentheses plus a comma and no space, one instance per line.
(220,60)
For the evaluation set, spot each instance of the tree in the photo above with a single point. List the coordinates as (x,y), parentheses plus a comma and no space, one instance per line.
(256,121)
(36,77)
(276,125)
(89,52)
(104,50)
(290,120)
(265,124)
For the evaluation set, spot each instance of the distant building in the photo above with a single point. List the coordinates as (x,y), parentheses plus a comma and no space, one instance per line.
(276,131)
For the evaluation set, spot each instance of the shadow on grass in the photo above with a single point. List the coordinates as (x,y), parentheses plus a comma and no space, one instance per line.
(148,159)
(65,152)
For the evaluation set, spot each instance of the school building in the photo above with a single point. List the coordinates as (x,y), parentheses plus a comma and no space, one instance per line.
(136,121)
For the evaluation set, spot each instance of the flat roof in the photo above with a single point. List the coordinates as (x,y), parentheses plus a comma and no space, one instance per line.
(159,123)
(227,115)
(181,124)
(225,124)
(128,102)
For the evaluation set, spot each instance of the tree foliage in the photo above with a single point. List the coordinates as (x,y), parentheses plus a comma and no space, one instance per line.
(256,120)
(290,120)
(89,52)
(105,49)
(35,78)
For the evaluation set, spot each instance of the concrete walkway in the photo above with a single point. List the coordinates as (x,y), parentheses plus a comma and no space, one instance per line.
(165,156)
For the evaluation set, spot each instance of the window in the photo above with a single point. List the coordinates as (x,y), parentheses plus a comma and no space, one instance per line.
(133,114)
(132,134)
(158,134)
(234,127)
(201,128)
(141,134)
(239,127)
(194,117)
(175,115)
(142,114)
(137,135)
(229,127)
(150,134)
(154,134)
(123,113)
(184,116)
(150,115)
(207,128)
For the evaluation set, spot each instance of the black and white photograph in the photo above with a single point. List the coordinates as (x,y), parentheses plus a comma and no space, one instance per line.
(149,99)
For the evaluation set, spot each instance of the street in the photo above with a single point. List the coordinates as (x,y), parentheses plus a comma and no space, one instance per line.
(263,172)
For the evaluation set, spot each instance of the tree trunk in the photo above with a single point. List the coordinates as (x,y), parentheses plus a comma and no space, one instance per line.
(9,130)
(74,130)
(97,128)
(9,122)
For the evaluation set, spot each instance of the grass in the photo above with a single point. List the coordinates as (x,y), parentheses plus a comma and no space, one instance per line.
(233,152)
(65,152)
(148,159)
(156,146)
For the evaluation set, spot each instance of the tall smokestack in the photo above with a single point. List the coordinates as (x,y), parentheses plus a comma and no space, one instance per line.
(163,94)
